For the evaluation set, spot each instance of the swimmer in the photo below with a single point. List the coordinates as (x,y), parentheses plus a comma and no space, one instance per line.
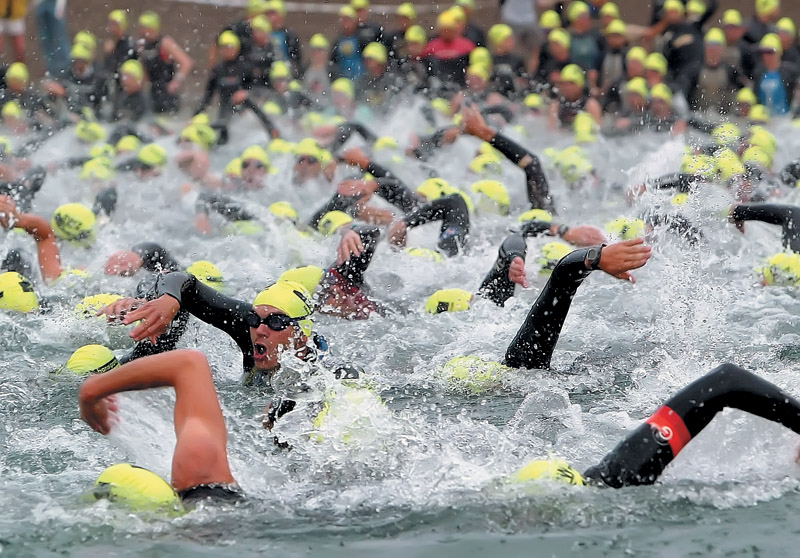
(40,230)
(200,468)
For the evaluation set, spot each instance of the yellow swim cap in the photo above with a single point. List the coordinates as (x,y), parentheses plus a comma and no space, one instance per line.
(16,293)
(759,114)
(766,7)
(256,8)
(746,96)
(535,215)
(478,70)
(257,153)
(208,274)
(102,150)
(333,221)
(572,73)
(715,36)
(234,168)
(99,168)
(486,164)
(552,253)
(763,138)
(309,276)
(272,108)
(656,62)
(90,132)
(696,7)
(74,222)
(344,86)
(533,101)
(376,52)
(284,210)
(699,165)
(626,228)
(291,298)
(120,17)
(616,27)
(662,92)
(435,188)
(472,374)
(733,18)
(550,469)
(406,9)
(786,25)
(132,68)
(12,109)
(674,5)
(755,155)
(577,9)
(319,40)
(136,488)
(359,4)
(727,134)
(728,165)
(229,39)
(90,305)
(150,20)
(91,359)
(280,145)
(244,227)
(86,39)
(680,199)
(560,37)
(18,71)
(609,9)
(385,142)
(494,196)
(448,19)
(550,20)
(308,147)
(498,33)
(448,300)
(80,52)
(280,70)
(771,43)
(276,6)
(416,34)
(781,270)
(347,12)
(636,53)
(424,253)
(153,155)
(637,85)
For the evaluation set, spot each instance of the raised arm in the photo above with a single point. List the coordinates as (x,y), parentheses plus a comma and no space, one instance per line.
(42,233)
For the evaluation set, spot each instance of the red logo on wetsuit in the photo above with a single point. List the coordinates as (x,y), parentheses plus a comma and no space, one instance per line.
(669,428)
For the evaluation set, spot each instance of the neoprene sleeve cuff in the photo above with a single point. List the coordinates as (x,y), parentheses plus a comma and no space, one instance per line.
(174,284)
(510,149)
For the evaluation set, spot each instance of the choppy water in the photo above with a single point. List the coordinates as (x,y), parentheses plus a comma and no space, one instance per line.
(428,480)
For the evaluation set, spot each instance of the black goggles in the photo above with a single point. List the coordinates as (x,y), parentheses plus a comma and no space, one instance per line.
(276,322)
(250,163)
(307,159)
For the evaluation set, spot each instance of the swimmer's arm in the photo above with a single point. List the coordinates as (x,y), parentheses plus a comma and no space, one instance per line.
(211,87)
(338,202)
(184,61)
(431,211)
(42,233)
(497,285)
(397,194)
(272,131)
(680,181)
(772,213)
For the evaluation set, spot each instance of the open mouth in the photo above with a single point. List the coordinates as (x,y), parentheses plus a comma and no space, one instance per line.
(260,349)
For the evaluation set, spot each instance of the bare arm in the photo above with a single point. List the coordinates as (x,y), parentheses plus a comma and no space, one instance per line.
(42,233)
(184,61)
(201,448)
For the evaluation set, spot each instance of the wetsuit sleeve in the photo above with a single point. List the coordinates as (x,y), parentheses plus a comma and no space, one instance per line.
(500,110)
(429,144)
(164,342)
(105,201)
(225,206)
(535,228)
(433,211)
(354,268)
(496,286)
(644,454)
(155,258)
(345,131)
(535,341)
(537,185)
(397,194)
(272,131)
(679,225)
(453,212)
(205,303)
(700,124)
(211,87)
(74,162)
(337,203)
(679,181)
(791,173)
(787,216)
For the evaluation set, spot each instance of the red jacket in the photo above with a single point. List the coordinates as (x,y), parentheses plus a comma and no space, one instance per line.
(443,50)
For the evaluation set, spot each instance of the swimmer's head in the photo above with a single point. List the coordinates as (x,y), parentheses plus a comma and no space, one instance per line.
(124,263)
(424,253)
(131,76)
(700,166)
(626,228)
(536,215)
(486,164)
(150,25)
(448,300)
(118,18)
(727,135)
(90,132)
(434,188)
(99,169)
(137,489)
(280,320)
(480,57)
(12,110)
(284,210)
(17,294)
(243,227)
(255,162)
(472,374)
(208,274)
(333,221)
(494,196)
(229,45)
(103,150)
(75,223)
(549,469)
(309,276)
(781,270)
(552,253)
(90,305)
(91,359)
(151,157)
(17,76)
(758,114)
(763,138)
(128,144)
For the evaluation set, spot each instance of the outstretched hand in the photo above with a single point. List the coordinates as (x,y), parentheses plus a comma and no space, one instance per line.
(155,316)
(620,258)
(119,308)
(99,414)
(584,235)
(473,122)
(356,156)
(516,272)
(350,245)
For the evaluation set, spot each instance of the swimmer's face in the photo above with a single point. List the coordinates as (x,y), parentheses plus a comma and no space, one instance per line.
(269,344)
(280,85)
(635,69)
(374,67)
(653,77)
(616,41)
(80,66)
(475,83)
(148,33)
(260,37)
(253,170)
(660,108)
(229,52)
(130,84)
(570,91)
(114,28)
(636,102)
(348,25)
(559,51)
(307,168)
(733,33)
(415,49)
(16,85)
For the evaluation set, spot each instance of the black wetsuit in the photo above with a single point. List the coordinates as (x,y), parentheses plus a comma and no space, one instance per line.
(226,78)
(124,50)
(130,107)
(787,216)
(645,453)
(25,188)
(227,207)
(452,211)
(537,186)
(161,70)
(87,91)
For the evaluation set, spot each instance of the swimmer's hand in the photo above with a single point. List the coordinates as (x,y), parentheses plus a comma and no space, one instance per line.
(516,272)
(155,315)
(99,413)
(239,97)
(396,233)
(620,258)
(359,188)
(356,156)
(118,309)
(9,214)
(584,235)
(474,124)
(350,245)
